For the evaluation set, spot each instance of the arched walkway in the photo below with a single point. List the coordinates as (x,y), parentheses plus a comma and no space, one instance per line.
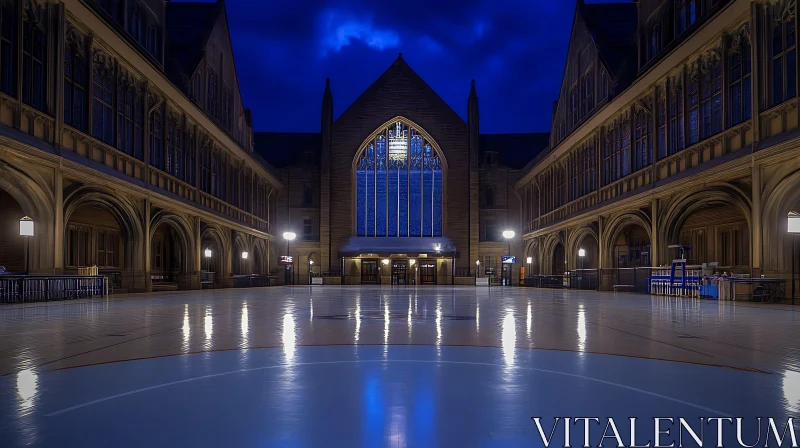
(217,242)
(549,244)
(242,244)
(172,250)
(714,222)
(559,260)
(583,238)
(27,194)
(532,252)
(627,241)
(781,196)
(103,229)
(12,245)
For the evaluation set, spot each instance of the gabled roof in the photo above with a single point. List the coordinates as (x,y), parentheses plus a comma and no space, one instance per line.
(613,29)
(282,149)
(400,71)
(515,150)
(188,27)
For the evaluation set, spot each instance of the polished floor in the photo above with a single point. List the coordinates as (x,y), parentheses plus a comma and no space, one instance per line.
(371,366)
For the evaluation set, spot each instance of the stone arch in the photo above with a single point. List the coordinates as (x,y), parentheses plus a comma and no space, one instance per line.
(178,236)
(781,195)
(126,214)
(260,257)
(675,215)
(532,249)
(585,237)
(550,246)
(242,243)
(31,192)
(219,241)
(615,227)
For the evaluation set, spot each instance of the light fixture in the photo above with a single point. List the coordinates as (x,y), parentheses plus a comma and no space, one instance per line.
(477,262)
(508,234)
(385,261)
(794,222)
(437,247)
(529,260)
(208,252)
(289,235)
(245,255)
(412,261)
(581,252)
(310,261)
(26,226)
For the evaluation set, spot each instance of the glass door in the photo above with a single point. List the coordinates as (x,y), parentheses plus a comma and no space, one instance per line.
(427,273)
(399,272)
(369,272)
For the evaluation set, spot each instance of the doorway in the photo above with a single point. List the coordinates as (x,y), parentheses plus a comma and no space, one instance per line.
(369,272)
(400,272)
(427,273)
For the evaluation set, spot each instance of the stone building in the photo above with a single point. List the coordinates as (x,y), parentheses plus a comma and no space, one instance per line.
(677,123)
(399,189)
(124,137)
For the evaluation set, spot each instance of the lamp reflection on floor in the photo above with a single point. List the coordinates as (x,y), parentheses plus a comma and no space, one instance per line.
(509,337)
(791,391)
(289,338)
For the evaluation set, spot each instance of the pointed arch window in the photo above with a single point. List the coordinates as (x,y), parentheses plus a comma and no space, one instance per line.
(740,84)
(642,148)
(130,115)
(8,47)
(103,99)
(399,184)
(34,56)
(75,81)
(156,140)
(784,52)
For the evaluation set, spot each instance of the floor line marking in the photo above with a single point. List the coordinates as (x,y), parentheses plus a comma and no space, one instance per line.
(535,369)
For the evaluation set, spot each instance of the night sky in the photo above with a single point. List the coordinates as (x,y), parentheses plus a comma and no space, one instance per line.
(514,49)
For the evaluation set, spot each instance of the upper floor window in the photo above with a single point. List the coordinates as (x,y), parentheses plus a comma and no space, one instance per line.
(488,194)
(642,147)
(676,137)
(156,140)
(605,86)
(617,151)
(711,96)
(308,195)
(573,105)
(308,228)
(130,116)
(740,87)
(784,52)
(75,82)
(655,40)
(686,14)
(582,169)
(399,184)
(587,83)
(490,158)
(661,120)
(8,47)
(103,99)
(693,105)
(34,56)
(136,21)
(152,41)
(175,157)
(212,99)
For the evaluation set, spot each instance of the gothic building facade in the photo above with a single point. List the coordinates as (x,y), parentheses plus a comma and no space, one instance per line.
(125,139)
(677,123)
(399,189)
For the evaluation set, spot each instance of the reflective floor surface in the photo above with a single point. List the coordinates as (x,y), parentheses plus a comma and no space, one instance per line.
(371,366)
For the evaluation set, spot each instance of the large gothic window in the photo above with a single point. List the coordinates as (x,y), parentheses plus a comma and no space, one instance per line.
(399,184)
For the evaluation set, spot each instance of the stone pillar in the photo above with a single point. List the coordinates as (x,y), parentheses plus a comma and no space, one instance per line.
(756,233)
(58,222)
(148,281)
(655,239)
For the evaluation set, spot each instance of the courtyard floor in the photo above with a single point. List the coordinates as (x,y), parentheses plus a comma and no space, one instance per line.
(379,366)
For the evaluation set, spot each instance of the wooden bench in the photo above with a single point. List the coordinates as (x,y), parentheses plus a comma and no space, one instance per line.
(629,288)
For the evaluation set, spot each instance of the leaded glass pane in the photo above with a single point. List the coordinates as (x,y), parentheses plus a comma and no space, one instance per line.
(370,201)
(381,181)
(415,186)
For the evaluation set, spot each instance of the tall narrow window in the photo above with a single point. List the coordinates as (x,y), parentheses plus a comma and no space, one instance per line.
(129,116)
(655,38)
(111,7)
(136,21)
(189,157)
(103,99)
(75,82)
(588,91)
(784,57)
(156,140)
(488,193)
(212,99)
(711,98)
(399,185)
(573,106)
(740,88)
(214,173)
(175,158)
(642,145)
(34,56)
(676,131)
(661,111)
(8,47)
(693,106)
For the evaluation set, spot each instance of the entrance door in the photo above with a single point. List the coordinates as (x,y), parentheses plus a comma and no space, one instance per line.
(400,272)
(369,272)
(427,273)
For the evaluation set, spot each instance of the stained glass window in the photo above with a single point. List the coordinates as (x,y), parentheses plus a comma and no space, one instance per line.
(399,185)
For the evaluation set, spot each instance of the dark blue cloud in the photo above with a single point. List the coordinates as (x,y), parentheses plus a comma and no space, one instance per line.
(514,49)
